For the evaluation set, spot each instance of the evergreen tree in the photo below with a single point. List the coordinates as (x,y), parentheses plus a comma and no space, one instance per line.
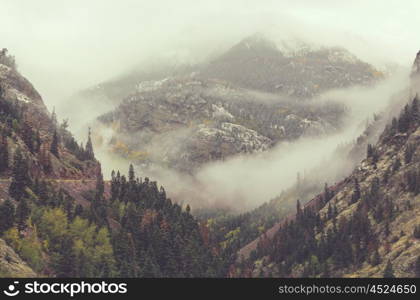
(54,145)
(404,120)
(20,178)
(376,258)
(4,154)
(415,113)
(99,206)
(416,232)
(22,213)
(7,216)
(54,119)
(90,155)
(37,142)
(389,272)
(396,165)
(356,193)
(131,174)
(28,136)
(65,260)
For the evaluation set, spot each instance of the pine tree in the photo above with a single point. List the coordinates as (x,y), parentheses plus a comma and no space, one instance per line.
(54,145)
(4,154)
(65,262)
(404,120)
(416,232)
(54,119)
(415,113)
(376,258)
(37,142)
(22,213)
(356,193)
(7,216)
(408,153)
(396,165)
(28,136)
(45,159)
(99,206)
(90,155)
(327,193)
(131,174)
(389,272)
(20,178)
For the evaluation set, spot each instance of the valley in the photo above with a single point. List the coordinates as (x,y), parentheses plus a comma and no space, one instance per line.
(130,151)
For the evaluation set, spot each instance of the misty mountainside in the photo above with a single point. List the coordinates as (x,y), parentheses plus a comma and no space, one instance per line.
(185,122)
(257,63)
(37,156)
(261,231)
(11,265)
(292,68)
(216,111)
(363,226)
(59,218)
(27,126)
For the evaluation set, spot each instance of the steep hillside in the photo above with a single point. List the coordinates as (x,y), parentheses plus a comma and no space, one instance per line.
(366,224)
(244,101)
(63,220)
(184,122)
(11,265)
(257,63)
(25,124)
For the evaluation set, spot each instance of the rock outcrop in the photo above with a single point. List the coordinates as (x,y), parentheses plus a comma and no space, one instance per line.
(11,265)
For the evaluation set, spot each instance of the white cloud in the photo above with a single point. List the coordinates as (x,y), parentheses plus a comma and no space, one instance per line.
(78,43)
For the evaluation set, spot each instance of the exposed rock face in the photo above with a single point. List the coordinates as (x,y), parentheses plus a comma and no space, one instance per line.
(415,71)
(27,126)
(399,245)
(388,182)
(253,86)
(257,63)
(17,90)
(210,143)
(187,121)
(11,265)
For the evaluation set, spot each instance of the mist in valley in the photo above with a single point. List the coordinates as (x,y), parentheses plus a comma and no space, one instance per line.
(67,48)
(243,182)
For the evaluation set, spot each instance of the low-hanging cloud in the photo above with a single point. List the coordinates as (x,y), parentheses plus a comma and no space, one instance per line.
(246,181)
(63,48)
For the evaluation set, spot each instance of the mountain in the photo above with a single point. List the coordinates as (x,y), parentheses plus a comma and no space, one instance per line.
(59,218)
(364,226)
(37,157)
(242,102)
(11,265)
(184,122)
(296,69)
(257,63)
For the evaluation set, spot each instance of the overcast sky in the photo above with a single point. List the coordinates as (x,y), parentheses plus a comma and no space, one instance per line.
(62,46)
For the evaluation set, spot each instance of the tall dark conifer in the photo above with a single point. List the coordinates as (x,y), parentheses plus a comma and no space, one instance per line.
(21,178)
(90,155)
(4,154)
(54,145)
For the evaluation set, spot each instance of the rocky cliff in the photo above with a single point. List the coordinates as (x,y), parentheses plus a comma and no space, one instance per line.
(11,265)
(367,225)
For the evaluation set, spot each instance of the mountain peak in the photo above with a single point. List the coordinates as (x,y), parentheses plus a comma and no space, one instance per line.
(416,66)
(257,41)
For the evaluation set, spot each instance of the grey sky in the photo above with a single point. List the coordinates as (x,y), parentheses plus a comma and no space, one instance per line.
(62,46)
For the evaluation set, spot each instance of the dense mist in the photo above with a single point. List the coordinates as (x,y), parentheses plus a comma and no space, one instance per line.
(246,181)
